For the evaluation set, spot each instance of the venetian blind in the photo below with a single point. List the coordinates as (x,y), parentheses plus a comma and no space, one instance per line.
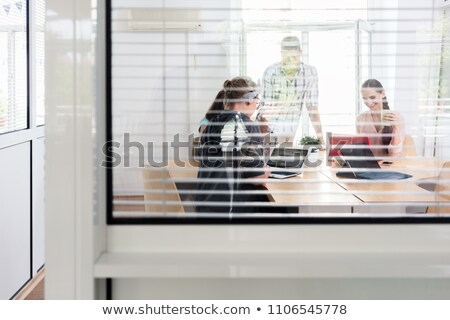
(169,59)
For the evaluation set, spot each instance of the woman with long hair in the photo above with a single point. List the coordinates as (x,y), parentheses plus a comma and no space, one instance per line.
(384,126)
(232,169)
(214,110)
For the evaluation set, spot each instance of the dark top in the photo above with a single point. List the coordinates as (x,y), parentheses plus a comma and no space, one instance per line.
(222,180)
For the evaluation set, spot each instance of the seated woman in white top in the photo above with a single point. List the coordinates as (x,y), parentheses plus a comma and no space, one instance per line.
(384,126)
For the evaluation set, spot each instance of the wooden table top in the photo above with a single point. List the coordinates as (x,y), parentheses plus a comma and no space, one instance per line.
(320,185)
(309,188)
(423,170)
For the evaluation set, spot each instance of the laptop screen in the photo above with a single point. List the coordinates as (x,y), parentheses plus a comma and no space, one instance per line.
(359,156)
(287,157)
(335,142)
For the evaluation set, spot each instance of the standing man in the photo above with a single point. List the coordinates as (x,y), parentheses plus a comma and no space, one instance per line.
(286,87)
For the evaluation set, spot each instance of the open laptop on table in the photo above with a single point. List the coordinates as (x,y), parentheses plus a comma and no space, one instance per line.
(335,142)
(286,162)
(360,157)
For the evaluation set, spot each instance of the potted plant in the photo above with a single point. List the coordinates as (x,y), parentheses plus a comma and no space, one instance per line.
(311,142)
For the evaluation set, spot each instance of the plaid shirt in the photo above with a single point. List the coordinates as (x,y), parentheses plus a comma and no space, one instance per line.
(283,99)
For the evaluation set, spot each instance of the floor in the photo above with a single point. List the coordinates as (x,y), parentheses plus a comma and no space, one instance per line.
(34,289)
(38,292)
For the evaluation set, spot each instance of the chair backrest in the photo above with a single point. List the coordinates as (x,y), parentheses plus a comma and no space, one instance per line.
(442,189)
(161,189)
(408,148)
(195,148)
(444,181)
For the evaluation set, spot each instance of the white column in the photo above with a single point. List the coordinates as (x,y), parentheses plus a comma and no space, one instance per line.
(70,105)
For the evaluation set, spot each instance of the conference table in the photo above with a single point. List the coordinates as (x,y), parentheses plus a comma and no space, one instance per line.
(408,190)
(319,190)
(413,195)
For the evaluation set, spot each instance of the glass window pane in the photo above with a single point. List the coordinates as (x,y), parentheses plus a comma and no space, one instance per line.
(169,61)
(338,81)
(13,67)
(39,62)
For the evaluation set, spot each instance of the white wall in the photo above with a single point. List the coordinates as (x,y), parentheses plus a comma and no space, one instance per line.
(290,261)
(416,21)
(22,207)
(440,116)
(15,242)
(281,289)
(384,48)
(405,59)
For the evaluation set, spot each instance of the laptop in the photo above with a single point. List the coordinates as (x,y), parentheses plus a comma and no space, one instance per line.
(335,142)
(359,156)
(286,162)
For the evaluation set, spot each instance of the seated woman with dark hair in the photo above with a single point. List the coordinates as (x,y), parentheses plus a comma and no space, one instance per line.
(232,169)
(384,126)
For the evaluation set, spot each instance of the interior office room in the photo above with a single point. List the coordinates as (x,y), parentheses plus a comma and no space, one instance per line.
(101,107)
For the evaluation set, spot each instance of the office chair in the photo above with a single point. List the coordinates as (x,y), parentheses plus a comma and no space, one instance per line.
(195,148)
(442,189)
(408,148)
(160,188)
